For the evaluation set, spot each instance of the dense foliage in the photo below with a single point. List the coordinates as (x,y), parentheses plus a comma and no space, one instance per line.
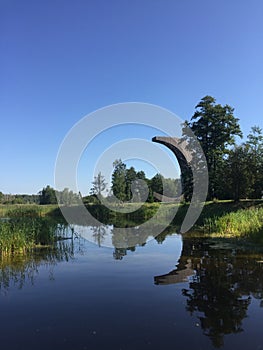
(129,185)
(235,170)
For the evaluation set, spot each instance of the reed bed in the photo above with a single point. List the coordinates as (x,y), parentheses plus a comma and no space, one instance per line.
(246,223)
(20,209)
(26,229)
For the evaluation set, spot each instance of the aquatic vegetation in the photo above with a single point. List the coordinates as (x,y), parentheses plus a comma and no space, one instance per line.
(24,209)
(247,223)
(14,238)
(26,229)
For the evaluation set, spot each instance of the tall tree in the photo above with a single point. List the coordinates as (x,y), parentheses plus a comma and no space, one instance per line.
(47,196)
(255,144)
(68,197)
(172,187)
(141,191)
(119,180)
(215,127)
(130,178)
(98,185)
(236,174)
(157,183)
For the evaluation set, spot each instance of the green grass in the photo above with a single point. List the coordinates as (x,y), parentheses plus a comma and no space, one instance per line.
(14,238)
(243,223)
(42,210)
(25,229)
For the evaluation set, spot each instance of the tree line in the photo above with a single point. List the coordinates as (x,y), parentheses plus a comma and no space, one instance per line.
(127,184)
(48,195)
(235,168)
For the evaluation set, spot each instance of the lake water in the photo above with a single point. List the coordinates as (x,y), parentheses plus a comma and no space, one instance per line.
(173,293)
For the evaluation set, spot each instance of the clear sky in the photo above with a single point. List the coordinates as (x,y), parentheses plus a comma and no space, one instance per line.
(61,60)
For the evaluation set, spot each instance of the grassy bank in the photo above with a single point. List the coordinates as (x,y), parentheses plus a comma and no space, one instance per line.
(242,219)
(25,229)
(41,210)
(243,223)
(29,226)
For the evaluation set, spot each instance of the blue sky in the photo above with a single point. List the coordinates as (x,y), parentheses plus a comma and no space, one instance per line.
(61,60)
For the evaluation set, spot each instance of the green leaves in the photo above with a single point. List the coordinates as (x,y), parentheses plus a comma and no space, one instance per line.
(215,127)
(98,185)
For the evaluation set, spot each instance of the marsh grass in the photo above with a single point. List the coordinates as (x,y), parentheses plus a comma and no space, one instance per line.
(245,223)
(26,229)
(24,209)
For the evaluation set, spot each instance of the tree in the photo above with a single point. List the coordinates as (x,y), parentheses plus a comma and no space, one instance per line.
(90,199)
(129,185)
(236,174)
(141,190)
(172,187)
(156,184)
(130,178)
(255,148)
(98,185)
(47,196)
(67,197)
(242,173)
(215,127)
(119,180)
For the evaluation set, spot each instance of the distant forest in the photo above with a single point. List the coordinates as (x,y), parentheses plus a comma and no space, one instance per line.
(46,196)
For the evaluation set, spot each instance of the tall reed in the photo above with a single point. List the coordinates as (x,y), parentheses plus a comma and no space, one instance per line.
(242,223)
(25,229)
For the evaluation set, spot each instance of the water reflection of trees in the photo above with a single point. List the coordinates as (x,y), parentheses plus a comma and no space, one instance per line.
(127,231)
(99,233)
(221,287)
(129,238)
(18,270)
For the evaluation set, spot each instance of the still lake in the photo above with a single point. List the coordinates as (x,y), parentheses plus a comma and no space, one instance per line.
(173,292)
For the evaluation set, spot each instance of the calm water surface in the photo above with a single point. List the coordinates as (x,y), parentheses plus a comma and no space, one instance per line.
(171,293)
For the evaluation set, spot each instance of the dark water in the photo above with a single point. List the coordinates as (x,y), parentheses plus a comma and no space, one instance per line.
(170,294)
